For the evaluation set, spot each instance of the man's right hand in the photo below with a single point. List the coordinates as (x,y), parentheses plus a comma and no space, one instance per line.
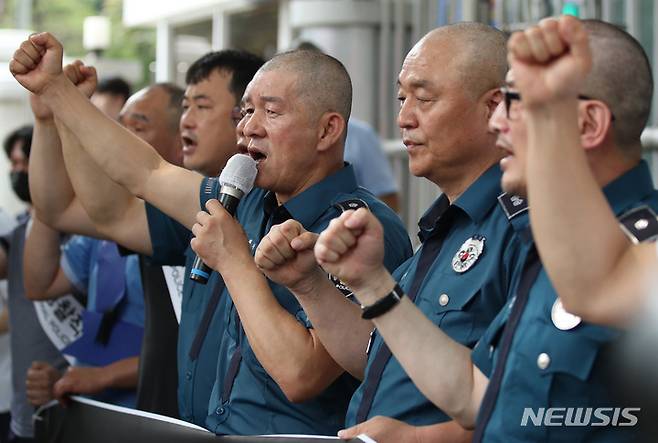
(550,61)
(285,256)
(83,77)
(352,249)
(41,378)
(37,63)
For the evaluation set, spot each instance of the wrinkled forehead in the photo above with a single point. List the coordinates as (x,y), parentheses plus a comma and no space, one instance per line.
(429,63)
(277,84)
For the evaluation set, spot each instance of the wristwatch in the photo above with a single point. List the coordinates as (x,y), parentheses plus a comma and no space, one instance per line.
(383,305)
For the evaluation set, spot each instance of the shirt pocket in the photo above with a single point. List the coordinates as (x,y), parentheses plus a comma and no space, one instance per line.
(563,362)
(448,309)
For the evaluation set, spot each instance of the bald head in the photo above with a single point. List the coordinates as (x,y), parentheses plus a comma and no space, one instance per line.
(620,77)
(478,54)
(323,83)
(174,104)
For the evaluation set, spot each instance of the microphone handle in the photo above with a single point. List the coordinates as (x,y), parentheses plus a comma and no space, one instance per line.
(200,272)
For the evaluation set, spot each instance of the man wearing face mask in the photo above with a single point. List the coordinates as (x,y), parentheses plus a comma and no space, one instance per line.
(28,340)
(17,147)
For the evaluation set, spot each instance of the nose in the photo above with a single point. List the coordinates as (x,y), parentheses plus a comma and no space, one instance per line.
(252,126)
(187,120)
(407,115)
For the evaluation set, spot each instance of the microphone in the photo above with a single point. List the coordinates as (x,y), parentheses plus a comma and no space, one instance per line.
(236,180)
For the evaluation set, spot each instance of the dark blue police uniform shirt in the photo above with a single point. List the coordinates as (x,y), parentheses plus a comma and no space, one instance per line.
(196,376)
(256,404)
(461,304)
(551,368)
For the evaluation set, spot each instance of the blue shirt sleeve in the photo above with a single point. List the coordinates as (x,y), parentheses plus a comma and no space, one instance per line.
(364,151)
(169,238)
(76,261)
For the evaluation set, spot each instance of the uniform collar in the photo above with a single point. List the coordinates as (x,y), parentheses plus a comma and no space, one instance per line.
(475,202)
(478,199)
(629,188)
(308,206)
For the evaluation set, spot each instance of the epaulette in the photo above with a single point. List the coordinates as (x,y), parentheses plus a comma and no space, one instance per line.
(354,203)
(640,224)
(512,205)
(515,208)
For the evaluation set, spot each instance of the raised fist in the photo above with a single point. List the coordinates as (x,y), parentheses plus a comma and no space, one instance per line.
(83,77)
(37,62)
(285,255)
(550,61)
(352,249)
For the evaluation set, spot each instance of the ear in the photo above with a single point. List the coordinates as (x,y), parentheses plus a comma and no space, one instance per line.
(331,128)
(595,123)
(491,99)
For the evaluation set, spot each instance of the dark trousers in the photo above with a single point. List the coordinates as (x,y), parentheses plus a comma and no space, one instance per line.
(14,438)
(4,427)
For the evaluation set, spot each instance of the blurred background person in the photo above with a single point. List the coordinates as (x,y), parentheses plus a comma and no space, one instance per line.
(29,342)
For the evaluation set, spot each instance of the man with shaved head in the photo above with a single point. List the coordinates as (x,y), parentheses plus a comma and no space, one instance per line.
(273,374)
(539,373)
(448,89)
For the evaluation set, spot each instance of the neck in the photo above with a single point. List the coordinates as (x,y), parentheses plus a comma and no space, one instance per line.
(609,163)
(454,185)
(320,173)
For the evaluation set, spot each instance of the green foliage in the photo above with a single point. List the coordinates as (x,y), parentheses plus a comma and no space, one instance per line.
(64,18)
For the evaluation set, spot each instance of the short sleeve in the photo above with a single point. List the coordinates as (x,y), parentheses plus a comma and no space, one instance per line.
(76,261)
(169,238)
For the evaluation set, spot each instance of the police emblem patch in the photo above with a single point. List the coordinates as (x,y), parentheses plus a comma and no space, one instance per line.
(562,319)
(468,254)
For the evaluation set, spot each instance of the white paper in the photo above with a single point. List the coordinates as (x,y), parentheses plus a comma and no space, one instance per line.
(174,276)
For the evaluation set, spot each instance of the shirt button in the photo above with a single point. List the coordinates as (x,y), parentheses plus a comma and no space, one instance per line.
(188,375)
(543,361)
(444,299)
(219,411)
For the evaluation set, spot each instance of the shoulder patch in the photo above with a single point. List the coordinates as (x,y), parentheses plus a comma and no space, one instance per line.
(513,205)
(354,203)
(640,224)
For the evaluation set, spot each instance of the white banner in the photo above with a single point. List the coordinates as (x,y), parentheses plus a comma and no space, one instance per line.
(174,276)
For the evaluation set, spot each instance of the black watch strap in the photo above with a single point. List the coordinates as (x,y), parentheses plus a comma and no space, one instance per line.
(383,305)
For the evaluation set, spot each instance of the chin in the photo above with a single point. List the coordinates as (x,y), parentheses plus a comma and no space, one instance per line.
(514,185)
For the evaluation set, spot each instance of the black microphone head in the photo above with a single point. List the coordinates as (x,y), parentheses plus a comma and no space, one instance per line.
(239,173)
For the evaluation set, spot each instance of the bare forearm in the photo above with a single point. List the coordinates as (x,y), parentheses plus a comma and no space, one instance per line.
(122,374)
(272,332)
(420,346)
(126,159)
(449,432)
(113,211)
(51,190)
(571,219)
(41,263)
(104,139)
(338,324)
